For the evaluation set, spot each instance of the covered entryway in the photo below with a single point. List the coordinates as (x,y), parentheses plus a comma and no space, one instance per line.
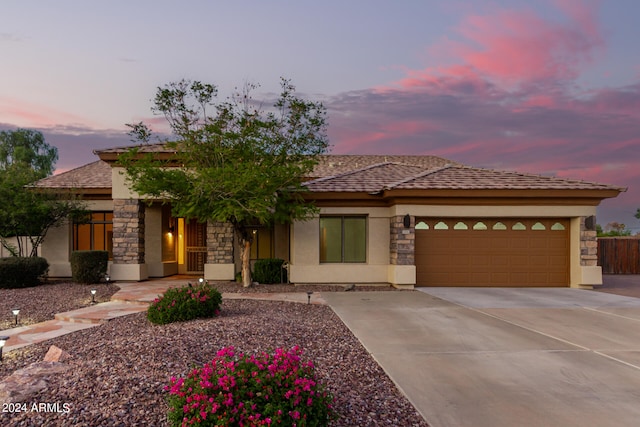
(492,252)
(192,246)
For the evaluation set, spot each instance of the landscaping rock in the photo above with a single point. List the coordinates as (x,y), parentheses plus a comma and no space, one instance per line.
(56,354)
(24,383)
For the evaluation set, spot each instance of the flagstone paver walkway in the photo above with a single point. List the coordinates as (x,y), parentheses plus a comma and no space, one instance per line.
(130,299)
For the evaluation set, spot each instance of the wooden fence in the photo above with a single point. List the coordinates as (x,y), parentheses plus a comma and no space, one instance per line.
(619,255)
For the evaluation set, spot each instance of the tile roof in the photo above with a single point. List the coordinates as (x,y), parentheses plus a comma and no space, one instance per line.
(93,175)
(368,179)
(397,176)
(470,178)
(332,165)
(328,164)
(362,173)
(143,148)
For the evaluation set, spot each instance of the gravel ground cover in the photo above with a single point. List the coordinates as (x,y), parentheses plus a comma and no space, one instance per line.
(117,371)
(40,303)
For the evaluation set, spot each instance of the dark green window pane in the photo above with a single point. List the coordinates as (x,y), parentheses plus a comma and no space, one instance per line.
(355,248)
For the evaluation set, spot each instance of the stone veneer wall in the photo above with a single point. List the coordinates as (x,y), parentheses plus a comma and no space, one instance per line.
(128,231)
(219,243)
(402,241)
(588,246)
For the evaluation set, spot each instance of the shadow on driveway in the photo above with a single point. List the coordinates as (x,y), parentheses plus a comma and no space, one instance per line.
(621,284)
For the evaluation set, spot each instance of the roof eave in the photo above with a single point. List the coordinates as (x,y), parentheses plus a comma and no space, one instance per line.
(515,197)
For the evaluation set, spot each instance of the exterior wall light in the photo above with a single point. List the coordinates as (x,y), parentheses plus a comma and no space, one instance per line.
(15,312)
(93,296)
(406,221)
(3,341)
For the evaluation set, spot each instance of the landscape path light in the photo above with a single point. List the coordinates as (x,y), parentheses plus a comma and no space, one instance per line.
(309,297)
(93,296)
(15,312)
(3,341)
(107,278)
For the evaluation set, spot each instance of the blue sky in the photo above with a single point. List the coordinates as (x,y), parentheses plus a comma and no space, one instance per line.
(540,86)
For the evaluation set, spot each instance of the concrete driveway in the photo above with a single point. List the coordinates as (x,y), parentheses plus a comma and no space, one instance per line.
(505,357)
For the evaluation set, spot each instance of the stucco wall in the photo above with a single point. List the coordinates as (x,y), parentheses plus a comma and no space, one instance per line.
(119,189)
(305,243)
(305,251)
(57,246)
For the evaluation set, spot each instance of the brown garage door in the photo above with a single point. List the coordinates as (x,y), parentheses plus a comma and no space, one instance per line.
(492,252)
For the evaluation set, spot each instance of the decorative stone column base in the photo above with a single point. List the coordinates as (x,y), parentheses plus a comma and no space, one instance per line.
(219,271)
(128,272)
(402,276)
(591,276)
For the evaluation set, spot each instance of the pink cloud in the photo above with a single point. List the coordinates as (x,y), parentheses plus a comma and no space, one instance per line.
(512,47)
(25,114)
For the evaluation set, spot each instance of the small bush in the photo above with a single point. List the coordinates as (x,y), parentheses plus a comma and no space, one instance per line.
(89,266)
(251,390)
(269,271)
(21,272)
(185,303)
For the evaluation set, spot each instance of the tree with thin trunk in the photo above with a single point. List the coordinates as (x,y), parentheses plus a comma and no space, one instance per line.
(232,160)
(28,213)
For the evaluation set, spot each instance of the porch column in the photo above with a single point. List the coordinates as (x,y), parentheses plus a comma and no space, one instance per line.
(128,240)
(220,261)
(402,268)
(591,271)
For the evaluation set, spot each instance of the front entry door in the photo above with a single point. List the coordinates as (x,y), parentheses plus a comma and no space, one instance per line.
(196,247)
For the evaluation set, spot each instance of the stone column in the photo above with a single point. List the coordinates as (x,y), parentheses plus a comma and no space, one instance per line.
(402,269)
(128,240)
(402,242)
(588,245)
(220,254)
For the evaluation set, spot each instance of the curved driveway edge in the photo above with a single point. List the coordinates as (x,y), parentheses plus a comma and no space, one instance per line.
(505,357)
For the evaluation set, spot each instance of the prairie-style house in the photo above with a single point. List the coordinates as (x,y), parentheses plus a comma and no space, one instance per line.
(403,220)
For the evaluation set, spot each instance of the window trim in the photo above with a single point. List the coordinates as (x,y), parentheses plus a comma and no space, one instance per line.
(91,223)
(342,234)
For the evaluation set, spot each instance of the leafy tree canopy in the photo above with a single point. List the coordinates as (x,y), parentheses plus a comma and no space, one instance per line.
(27,150)
(613,229)
(234,160)
(26,214)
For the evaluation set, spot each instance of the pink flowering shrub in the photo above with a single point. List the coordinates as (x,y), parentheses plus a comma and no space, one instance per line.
(250,390)
(185,303)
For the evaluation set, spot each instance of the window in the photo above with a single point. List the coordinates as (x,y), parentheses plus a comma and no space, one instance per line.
(343,239)
(262,245)
(96,234)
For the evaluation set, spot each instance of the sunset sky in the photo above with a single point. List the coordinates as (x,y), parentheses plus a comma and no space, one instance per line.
(542,86)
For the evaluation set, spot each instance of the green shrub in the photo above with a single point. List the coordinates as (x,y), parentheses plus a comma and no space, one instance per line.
(251,390)
(21,272)
(185,303)
(269,271)
(89,266)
